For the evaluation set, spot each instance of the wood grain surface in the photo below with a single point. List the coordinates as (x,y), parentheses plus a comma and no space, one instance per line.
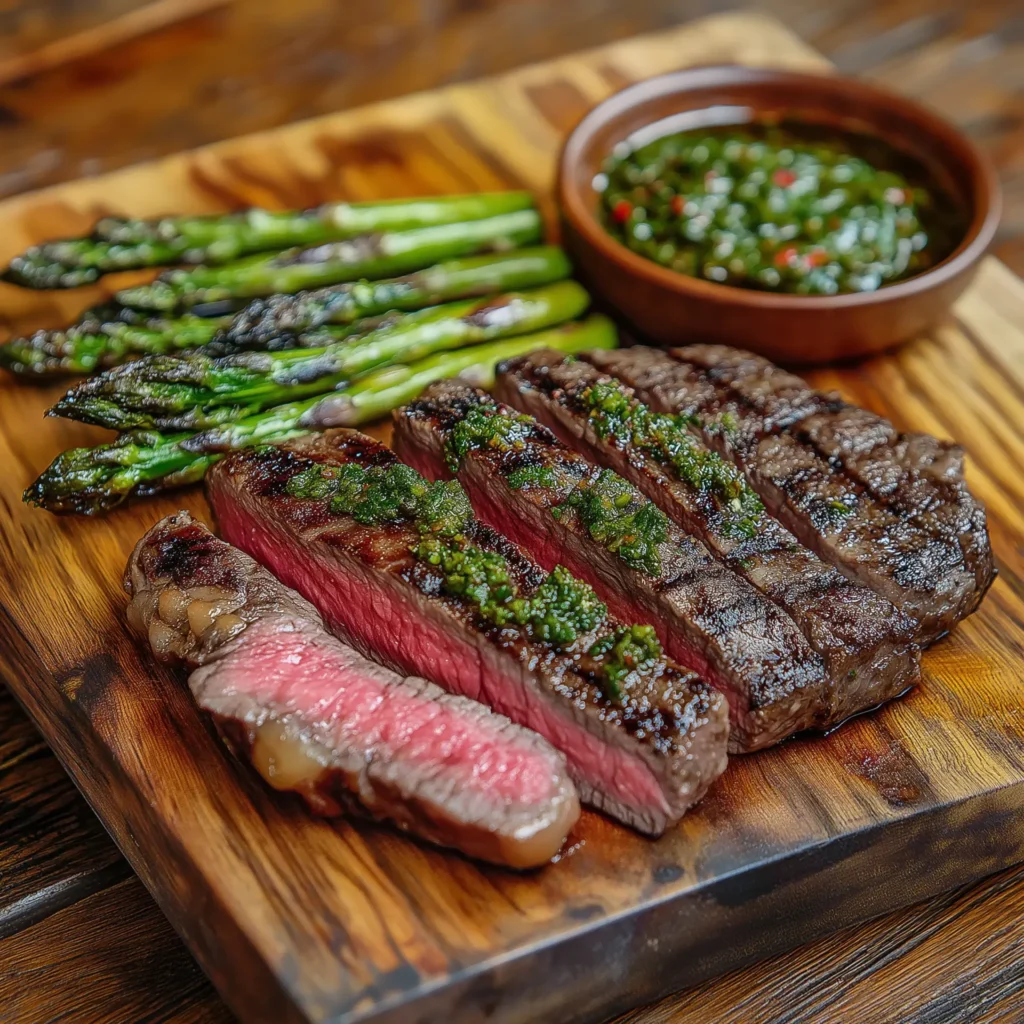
(956,958)
(298,918)
(53,851)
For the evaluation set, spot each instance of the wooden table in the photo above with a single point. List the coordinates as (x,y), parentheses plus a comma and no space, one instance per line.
(79,937)
(81,940)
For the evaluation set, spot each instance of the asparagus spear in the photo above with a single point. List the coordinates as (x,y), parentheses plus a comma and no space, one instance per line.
(378,393)
(93,480)
(189,393)
(92,344)
(373,256)
(268,318)
(108,336)
(118,244)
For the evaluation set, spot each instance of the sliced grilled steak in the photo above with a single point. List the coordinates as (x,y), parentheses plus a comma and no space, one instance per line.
(915,475)
(550,500)
(401,566)
(316,717)
(867,645)
(825,509)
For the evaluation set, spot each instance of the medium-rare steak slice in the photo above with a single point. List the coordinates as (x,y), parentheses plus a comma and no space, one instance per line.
(562,509)
(316,717)
(866,643)
(401,566)
(915,475)
(825,509)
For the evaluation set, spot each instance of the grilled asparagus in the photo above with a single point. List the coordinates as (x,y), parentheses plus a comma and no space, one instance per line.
(373,256)
(93,480)
(118,244)
(193,392)
(109,336)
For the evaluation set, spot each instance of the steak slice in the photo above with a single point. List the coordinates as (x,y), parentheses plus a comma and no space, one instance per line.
(866,644)
(550,500)
(314,716)
(826,510)
(915,475)
(401,567)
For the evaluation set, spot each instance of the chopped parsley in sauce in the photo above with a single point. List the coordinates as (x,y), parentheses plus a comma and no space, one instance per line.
(615,413)
(772,208)
(558,611)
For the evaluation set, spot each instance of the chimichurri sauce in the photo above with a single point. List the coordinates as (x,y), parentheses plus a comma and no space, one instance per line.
(773,208)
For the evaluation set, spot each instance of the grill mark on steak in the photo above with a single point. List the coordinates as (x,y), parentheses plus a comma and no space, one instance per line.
(827,510)
(708,618)
(915,475)
(643,760)
(867,645)
(315,717)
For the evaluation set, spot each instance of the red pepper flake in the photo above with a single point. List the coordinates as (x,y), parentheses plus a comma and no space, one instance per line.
(677,204)
(621,211)
(785,257)
(783,177)
(817,257)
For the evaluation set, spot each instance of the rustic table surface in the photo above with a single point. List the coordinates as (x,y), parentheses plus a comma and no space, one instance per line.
(89,85)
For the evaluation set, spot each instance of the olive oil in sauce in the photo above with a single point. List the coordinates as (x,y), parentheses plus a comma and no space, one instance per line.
(783,208)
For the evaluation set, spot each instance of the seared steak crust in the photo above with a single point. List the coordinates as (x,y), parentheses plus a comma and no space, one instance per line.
(866,644)
(316,717)
(915,475)
(708,617)
(746,412)
(644,758)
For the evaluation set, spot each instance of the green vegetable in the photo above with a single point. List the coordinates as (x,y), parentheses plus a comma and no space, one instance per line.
(196,392)
(379,392)
(93,343)
(94,480)
(118,244)
(395,252)
(108,337)
(265,320)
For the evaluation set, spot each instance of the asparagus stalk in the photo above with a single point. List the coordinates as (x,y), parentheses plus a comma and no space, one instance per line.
(94,480)
(372,256)
(266,319)
(93,344)
(118,244)
(378,393)
(108,337)
(189,393)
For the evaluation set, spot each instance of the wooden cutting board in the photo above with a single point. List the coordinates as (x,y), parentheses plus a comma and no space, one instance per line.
(298,919)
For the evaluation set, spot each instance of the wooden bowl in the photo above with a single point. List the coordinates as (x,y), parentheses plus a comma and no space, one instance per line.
(670,308)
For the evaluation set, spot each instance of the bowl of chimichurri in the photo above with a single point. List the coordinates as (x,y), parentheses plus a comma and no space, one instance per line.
(807,217)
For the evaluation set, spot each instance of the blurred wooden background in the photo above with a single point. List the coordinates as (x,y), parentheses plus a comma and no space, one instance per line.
(89,85)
